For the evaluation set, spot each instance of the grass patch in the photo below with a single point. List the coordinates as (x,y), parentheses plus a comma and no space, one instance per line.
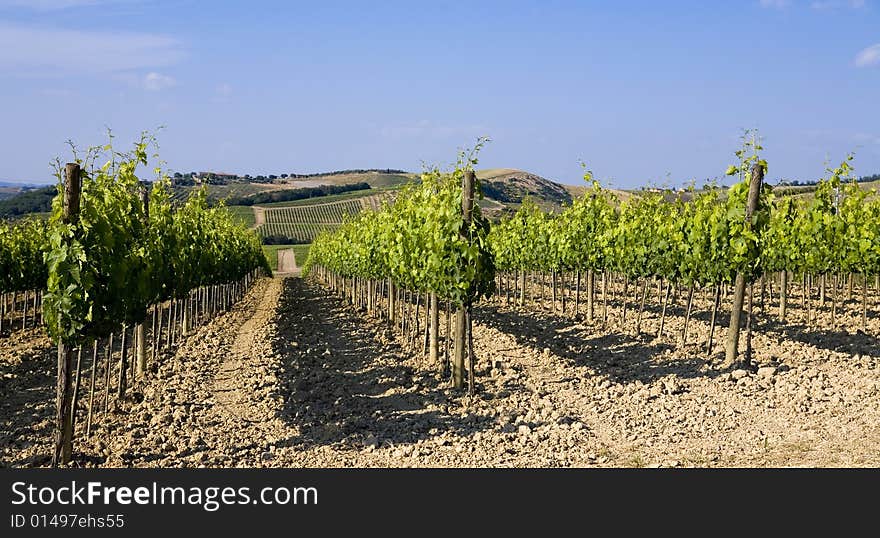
(300,253)
(271,252)
(243,214)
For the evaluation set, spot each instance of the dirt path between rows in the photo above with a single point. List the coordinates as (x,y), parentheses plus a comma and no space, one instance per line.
(259,216)
(287,263)
(234,401)
(292,377)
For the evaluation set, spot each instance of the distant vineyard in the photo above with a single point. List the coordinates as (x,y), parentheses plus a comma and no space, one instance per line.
(303,223)
(297,231)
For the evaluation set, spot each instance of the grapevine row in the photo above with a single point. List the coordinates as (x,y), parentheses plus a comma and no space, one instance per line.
(116,251)
(429,243)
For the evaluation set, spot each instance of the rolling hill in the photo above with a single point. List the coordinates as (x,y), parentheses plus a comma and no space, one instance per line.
(299,221)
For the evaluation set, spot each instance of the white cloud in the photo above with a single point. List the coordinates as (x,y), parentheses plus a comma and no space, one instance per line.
(155,82)
(40,50)
(869,56)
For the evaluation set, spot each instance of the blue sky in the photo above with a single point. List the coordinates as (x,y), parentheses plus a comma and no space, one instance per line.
(640,90)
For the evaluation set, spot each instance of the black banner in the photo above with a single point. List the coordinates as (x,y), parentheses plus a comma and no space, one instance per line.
(123,501)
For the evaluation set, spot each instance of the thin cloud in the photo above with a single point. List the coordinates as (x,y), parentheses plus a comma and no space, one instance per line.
(46,50)
(57,5)
(155,82)
(815,4)
(869,56)
(775,4)
(429,129)
(56,92)
(823,5)
(222,93)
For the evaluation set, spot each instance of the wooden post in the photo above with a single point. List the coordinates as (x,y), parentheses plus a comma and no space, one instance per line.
(732,351)
(92,389)
(123,365)
(76,381)
(642,307)
(391,305)
(783,294)
(663,310)
(687,316)
(63,388)
(433,346)
(139,332)
(591,309)
(461,319)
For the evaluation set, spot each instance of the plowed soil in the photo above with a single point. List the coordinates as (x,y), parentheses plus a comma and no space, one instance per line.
(292,377)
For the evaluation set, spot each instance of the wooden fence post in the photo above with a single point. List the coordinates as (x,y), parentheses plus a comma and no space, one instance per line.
(461,318)
(140,333)
(63,388)
(732,350)
(434,334)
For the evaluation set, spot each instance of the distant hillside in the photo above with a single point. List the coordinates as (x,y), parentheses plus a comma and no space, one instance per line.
(8,192)
(503,188)
(28,201)
(289,195)
(8,189)
(298,221)
(253,187)
(511,186)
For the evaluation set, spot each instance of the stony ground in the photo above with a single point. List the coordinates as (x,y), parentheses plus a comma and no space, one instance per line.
(292,377)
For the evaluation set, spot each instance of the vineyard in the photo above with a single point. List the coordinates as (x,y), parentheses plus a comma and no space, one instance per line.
(726,326)
(725,244)
(112,260)
(302,223)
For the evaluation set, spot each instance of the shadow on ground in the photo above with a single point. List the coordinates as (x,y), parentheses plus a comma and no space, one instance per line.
(623,358)
(346,381)
(27,395)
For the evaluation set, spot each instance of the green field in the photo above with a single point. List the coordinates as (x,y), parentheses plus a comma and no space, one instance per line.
(243,213)
(300,253)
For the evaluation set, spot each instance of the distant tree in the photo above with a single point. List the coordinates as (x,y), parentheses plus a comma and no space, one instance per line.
(296,194)
(281,240)
(29,201)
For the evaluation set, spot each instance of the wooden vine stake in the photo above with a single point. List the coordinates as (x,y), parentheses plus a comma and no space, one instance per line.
(461,319)
(139,332)
(64,386)
(757,178)
(434,334)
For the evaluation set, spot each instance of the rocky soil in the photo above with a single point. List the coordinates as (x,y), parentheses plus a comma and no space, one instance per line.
(292,377)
